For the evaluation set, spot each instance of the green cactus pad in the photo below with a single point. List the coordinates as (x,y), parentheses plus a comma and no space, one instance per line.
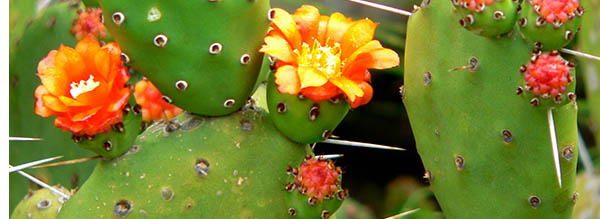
(48,31)
(41,203)
(301,119)
(495,19)
(536,30)
(197,167)
(194,52)
(486,150)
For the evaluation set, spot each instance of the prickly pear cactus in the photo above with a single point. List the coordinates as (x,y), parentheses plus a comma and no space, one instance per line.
(191,51)
(486,150)
(222,167)
(41,203)
(49,29)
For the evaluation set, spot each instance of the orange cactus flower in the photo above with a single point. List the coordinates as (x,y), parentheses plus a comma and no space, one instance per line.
(89,22)
(322,57)
(154,107)
(84,87)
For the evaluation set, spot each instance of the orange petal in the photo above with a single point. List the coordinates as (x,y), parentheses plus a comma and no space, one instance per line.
(368,47)
(55,81)
(349,87)
(284,22)
(324,92)
(39,108)
(366,98)
(286,80)
(86,114)
(66,124)
(380,59)
(337,27)
(71,62)
(359,34)
(54,104)
(278,48)
(307,18)
(119,100)
(70,101)
(102,65)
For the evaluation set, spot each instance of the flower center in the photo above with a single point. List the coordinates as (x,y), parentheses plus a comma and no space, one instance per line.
(325,59)
(83,86)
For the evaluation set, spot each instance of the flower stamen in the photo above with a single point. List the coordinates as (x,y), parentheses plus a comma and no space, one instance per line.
(83,86)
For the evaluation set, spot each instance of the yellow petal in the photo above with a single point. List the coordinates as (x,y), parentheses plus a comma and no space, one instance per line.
(286,24)
(310,77)
(52,103)
(278,48)
(286,80)
(359,34)
(70,101)
(349,87)
(55,81)
(382,59)
(337,27)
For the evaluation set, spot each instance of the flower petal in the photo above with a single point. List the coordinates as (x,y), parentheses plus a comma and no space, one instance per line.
(310,77)
(359,34)
(86,114)
(379,59)
(307,19)
(119,100)
(54,104)
(55,81)
(278,48)
(286,80)
(324,92)
(322,31)
(349,87)
(39,108)
(71,62)
(368,47)
(337,27)
(284,22)
(366,98)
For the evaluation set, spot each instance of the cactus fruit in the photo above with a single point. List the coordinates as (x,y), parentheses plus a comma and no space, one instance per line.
(553,23)
(487,17)
(548,80)
(476,137)
(213,61)
(47,31)
(209,167)
(153,106)
(89,22)
(41,203)
(321,68)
